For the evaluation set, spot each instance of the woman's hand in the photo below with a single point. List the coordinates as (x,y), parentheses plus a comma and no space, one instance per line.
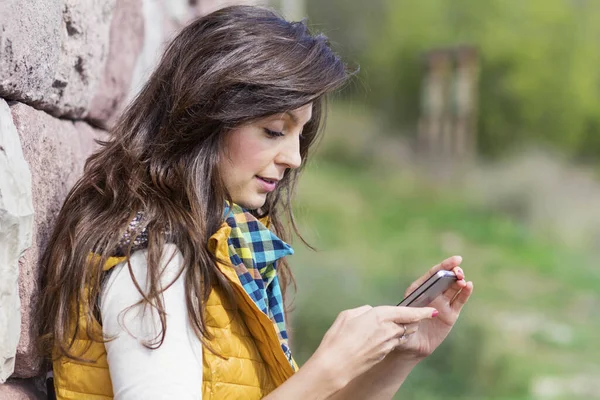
(348,363)
(358,340)
(361,337)
(430,333)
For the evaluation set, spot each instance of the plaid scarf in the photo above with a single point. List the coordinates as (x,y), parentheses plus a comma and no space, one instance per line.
(254,251)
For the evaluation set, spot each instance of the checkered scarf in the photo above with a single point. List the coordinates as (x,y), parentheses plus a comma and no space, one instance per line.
(254,251)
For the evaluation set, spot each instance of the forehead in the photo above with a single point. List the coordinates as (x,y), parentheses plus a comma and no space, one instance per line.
(298,116)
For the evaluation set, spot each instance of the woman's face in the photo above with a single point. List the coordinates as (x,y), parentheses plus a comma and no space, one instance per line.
(256,155)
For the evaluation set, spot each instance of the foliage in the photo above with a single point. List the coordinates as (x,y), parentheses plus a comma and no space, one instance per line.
(380,223)
(373,239)
(539,82)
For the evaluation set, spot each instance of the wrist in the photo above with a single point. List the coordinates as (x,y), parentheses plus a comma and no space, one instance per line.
(326,374)
(408,359)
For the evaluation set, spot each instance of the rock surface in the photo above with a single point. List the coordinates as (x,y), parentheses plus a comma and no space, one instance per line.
(84,51)
(52,52)
(16,219)
(56,151)
(29,48)
(23,389)
(126,40)
(152,47)
(77,60)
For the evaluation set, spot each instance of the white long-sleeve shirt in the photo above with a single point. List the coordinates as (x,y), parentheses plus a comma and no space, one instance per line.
(172,371)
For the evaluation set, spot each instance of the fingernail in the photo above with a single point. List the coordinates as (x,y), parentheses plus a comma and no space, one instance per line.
(435,313)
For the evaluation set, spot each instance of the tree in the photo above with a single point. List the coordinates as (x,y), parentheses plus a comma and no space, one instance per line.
(540,80)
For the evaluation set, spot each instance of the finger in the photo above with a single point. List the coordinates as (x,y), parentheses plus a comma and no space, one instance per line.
(355,312)
(458,272)
(403,339)
(404,315)
(454,289)
(408,329)
(447,264)
(462,297)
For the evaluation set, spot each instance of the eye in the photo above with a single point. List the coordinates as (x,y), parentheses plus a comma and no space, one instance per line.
(272,133)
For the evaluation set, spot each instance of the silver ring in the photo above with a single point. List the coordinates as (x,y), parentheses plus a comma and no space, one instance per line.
(403,333)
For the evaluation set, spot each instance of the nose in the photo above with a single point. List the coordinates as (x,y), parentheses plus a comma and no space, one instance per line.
(289,155)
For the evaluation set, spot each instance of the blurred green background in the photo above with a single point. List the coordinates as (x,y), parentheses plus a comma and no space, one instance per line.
(522,207)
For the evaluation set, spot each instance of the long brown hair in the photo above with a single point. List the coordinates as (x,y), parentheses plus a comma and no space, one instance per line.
(234,66)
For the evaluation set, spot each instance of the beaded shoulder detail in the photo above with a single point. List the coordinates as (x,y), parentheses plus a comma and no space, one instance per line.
(135,236)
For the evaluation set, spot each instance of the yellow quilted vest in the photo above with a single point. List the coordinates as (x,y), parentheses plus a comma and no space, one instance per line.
(250,362)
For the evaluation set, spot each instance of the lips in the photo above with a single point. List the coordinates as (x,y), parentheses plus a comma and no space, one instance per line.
(268,180)
(268,184)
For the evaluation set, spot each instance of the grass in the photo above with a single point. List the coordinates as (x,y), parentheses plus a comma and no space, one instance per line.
(535,308)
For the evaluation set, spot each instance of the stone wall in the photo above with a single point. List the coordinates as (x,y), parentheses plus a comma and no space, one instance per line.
(67,69)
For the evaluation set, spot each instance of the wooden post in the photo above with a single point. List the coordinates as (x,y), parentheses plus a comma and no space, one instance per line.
(466,78)
(433,122)
(448,121)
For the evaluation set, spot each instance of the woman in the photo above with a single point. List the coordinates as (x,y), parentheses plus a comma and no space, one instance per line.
(166,270)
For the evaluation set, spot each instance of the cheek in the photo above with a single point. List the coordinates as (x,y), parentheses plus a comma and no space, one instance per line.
(247,155)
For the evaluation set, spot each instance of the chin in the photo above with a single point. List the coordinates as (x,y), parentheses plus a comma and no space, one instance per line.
(251,202)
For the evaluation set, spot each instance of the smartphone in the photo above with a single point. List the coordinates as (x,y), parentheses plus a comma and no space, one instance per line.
(430,289)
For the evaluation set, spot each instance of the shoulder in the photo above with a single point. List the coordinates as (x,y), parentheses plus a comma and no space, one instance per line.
(173,367)
(169,267)
(131,280)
